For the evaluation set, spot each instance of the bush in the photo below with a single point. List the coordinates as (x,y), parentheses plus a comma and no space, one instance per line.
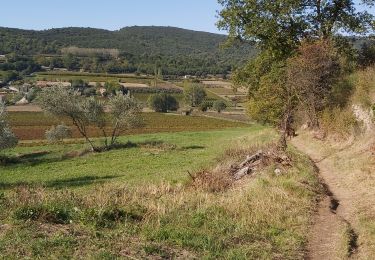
(163,103)
(205,105)
(340,123)
(194,94)
(58,133)
(7,137)
(110,217)
(219,105)
(55,214)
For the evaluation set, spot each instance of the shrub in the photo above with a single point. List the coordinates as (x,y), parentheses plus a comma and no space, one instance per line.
(163,103)
(109,217)
(54,213)
(7,137)
(219,105)
(194,94)
(339,123)
(58,133)
(205,105)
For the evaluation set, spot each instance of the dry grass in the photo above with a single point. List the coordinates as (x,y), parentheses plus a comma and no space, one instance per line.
(351,166)
(210,217)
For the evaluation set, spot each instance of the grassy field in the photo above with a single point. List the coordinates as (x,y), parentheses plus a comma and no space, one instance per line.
(140,203)
(160,157)
(32,125)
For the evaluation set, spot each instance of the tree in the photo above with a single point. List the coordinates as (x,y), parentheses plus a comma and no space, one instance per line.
(205,105)
(79,85)
(70,62)
(194,94)
(7,137)
(90,112)
(9,76)
(367,54)
(58,133)
(219,105)
(312,74)
(163,103)
(279,26)
(112,87)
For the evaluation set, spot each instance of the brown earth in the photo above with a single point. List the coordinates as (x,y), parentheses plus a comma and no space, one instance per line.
(343,227)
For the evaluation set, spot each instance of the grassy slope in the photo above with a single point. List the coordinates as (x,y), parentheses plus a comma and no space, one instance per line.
(259,218)
(169,161)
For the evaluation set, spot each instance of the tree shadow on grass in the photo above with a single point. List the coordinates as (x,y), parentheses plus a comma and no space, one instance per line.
(79,181)
(60,184)
(193,147)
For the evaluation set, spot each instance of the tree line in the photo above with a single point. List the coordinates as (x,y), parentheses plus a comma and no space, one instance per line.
(304,56)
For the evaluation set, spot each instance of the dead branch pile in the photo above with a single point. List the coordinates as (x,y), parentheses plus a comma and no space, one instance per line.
(259,160)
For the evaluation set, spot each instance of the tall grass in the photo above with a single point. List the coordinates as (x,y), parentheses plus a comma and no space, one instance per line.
(260,217)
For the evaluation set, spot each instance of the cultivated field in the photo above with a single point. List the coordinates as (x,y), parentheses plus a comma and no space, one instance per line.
(32,125)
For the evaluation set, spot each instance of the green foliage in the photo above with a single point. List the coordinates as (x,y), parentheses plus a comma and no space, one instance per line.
(90,112)
(267,100)
(7,137)
(163,103)
(58,133)
(219,105)
(53,213)
(175,51)
(194,94)
(10,76)
(367,54)
(205,105)
(279,26)
(112,87)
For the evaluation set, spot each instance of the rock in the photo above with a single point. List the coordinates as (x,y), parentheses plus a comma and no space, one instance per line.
(241,173)
(278,172)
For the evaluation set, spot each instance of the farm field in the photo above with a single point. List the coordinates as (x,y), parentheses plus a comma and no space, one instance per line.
(139,202)
(91,77)
(32,125)
(161,157)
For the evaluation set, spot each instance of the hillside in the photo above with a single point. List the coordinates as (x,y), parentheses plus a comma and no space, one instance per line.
(175,50)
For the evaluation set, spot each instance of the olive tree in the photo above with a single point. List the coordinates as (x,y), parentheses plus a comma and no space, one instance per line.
(111,118)
(219,105)
(194,94)
(58,133)
(7,137)
(162,102)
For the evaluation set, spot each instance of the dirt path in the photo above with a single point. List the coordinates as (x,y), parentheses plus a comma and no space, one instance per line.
(332,235)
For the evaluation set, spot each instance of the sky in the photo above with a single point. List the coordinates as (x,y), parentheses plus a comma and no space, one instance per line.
(200,15)
(197,15)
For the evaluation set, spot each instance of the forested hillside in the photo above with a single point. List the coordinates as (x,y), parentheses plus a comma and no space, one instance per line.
(176,51)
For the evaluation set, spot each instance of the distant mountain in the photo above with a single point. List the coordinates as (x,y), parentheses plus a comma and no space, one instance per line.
(177,51)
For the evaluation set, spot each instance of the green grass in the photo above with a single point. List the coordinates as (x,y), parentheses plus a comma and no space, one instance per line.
(127,212)
(171,158)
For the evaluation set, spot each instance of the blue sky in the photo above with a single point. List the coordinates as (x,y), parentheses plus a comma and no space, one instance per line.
(110,14)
